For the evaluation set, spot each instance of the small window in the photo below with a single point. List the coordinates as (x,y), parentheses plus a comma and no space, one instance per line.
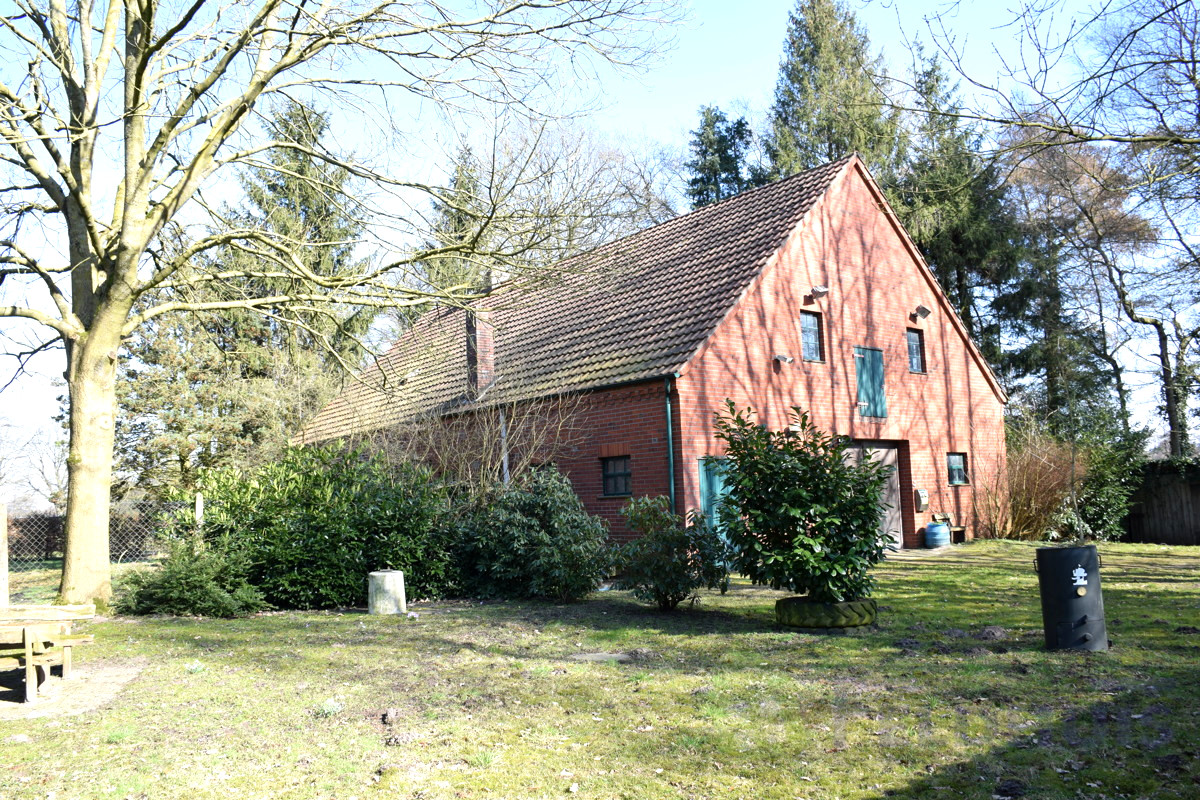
(812,340)
(617,476)
(956,466)
(916,350)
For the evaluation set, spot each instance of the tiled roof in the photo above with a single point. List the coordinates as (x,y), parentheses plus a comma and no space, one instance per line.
(634,309)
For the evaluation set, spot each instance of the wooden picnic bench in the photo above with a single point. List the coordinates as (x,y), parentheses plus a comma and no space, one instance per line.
(36,638)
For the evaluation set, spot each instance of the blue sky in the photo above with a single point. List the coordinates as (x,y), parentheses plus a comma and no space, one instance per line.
(727,54)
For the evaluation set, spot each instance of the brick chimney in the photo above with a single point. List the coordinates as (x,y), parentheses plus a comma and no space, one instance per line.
(481,351)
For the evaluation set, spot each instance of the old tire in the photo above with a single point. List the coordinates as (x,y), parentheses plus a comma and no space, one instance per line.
(800,612)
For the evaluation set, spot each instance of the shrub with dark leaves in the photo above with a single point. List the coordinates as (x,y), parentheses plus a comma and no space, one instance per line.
(531,539)
(670,561)
(800,514)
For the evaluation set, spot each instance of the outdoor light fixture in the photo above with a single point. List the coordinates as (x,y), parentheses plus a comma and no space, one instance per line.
(819,291)
(784,359)
(922,311)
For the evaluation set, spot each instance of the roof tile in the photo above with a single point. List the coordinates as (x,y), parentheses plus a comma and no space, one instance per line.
(634,309)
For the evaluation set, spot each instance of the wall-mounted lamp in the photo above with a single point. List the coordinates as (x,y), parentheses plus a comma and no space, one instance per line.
(784,359)
(819,291)
(922,311)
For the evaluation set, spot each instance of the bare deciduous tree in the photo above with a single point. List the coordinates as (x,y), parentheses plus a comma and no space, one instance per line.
(46,469)
(119,120)
(8,453)
(481,448)
(1124,271)
(1119,73)
(1113,89)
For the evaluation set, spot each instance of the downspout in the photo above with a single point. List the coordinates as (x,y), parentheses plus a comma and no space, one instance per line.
(670,441)
(504,448)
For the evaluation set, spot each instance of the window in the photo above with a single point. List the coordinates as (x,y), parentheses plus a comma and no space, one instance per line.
(916,350)
(956,466)
(811,341)
(617,476)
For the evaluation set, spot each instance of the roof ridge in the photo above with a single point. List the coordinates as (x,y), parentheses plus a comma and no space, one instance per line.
(628,310)
(832,166)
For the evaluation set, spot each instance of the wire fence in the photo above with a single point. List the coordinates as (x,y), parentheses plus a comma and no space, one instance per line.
(36,540)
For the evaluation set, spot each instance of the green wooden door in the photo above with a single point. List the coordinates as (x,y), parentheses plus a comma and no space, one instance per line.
(868,364)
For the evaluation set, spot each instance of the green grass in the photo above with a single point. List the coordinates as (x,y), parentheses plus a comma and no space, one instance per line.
(718,703)
(34,582)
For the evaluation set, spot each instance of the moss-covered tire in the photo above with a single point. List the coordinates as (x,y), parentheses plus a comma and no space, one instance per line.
(800,612)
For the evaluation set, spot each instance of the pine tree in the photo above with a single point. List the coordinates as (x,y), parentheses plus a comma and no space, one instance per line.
(718,166)
(458,221)
(952,203)
(209,389)
(827,104)
(1051,348)
(1052,340)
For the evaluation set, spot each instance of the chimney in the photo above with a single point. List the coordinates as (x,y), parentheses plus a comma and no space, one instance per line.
(481,351)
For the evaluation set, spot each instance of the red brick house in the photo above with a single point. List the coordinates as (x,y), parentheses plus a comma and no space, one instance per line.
(803,293)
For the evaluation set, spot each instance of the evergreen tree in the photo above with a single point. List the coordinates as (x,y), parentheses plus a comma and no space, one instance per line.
(952,202)
(1051,336)
(827,104)
(1050,348)
(718,166)
(209,389)
(458,222)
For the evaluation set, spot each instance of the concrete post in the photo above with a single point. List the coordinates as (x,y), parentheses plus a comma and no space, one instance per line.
(385,592)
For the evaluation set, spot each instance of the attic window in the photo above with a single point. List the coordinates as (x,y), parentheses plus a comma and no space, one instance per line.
(618,478)
(916,350)
(811,336)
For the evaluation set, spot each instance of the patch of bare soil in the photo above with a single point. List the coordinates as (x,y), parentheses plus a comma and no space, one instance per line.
(91,686)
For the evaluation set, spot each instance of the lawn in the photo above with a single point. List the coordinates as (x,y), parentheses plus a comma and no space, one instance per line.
(480,701)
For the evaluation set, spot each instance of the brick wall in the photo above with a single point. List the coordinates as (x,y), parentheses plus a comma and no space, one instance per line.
(849,244)
(629,420)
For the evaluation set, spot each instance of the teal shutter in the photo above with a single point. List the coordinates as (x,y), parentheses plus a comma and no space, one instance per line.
(868,364)
(712,488)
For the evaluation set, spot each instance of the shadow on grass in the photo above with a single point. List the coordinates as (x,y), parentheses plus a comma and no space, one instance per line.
(1139,743)
(497,632)
(12,683)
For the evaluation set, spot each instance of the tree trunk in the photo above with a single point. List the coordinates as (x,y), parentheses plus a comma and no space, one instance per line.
(962,299)
(1176,425)
(1177,393)
(91,378)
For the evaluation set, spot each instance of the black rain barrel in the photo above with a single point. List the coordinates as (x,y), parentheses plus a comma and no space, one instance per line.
(1072,606)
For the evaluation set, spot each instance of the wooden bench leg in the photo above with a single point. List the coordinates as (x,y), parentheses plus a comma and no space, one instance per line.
(31,669)
(66,665)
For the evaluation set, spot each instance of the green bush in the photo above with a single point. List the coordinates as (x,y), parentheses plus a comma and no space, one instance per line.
(195,579)
(314,524)
(531,539)
(1115,468)
(1073,480)
(799,514)
(670,561)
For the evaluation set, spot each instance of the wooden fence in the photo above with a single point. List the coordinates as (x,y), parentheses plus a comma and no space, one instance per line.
(1166,508)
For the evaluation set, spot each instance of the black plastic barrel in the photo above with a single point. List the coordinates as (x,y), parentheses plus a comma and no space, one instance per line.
(1072,606)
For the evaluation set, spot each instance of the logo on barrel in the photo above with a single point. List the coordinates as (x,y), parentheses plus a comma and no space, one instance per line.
(1080,576)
